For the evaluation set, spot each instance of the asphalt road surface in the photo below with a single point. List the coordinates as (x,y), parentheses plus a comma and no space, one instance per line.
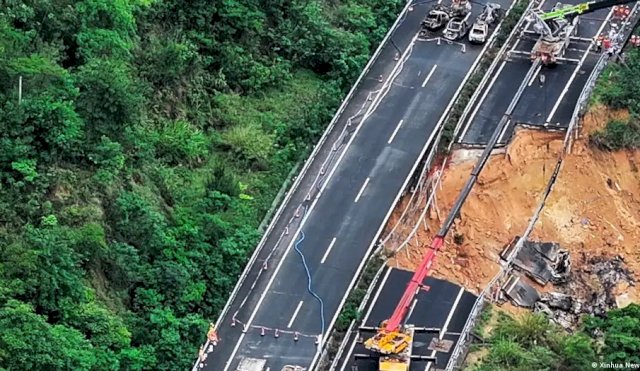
(445,306)
(551,96)
(340,225)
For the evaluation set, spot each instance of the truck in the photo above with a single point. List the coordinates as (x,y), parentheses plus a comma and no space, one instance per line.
(557,26)
(393,340)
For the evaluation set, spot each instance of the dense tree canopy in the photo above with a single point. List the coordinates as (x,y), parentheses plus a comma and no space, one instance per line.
(148,141)
(531,342)
(618,89)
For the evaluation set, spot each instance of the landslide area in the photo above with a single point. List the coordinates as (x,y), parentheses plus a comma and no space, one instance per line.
(593,210)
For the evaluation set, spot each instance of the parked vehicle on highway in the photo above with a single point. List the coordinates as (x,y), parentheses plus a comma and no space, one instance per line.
(480,30)
(457,28)
(437,17)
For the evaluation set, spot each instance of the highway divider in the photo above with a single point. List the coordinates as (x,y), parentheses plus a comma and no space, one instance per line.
(457,356)
(513,21)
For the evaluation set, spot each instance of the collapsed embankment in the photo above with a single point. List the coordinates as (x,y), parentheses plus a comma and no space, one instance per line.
(593,209)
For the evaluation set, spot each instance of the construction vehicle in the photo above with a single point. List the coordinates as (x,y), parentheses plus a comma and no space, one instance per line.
(557,26)
(457,28)
(394,338)
(480,29)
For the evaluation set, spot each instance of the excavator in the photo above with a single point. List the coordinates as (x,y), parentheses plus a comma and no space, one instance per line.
(393,340)
(557,26)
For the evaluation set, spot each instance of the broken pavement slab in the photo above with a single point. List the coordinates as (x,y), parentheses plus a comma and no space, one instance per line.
(542,261)
(520,292)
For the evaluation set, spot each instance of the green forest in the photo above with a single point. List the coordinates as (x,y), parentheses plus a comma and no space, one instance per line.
(618,88)
(531,342)
(142,144)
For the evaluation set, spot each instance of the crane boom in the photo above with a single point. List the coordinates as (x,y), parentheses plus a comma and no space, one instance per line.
(415,284)
(582,8)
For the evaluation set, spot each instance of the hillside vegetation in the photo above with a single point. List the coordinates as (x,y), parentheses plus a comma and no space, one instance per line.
(619,89)
(149,141)
(531,342)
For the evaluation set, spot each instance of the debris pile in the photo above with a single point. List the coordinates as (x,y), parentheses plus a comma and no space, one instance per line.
(541,261)
(592,213)
(599,281)
(592,289)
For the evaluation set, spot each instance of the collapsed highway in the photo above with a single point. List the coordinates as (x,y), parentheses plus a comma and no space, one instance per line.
(528,107)
(292,292)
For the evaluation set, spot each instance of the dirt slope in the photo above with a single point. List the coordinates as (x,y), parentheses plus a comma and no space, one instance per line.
(594,207)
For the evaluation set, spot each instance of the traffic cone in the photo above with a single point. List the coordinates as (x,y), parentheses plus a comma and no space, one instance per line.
(380,79)
(397,57)
(233,322)
(295,336)
(276,334)
(317,340)
(262,332)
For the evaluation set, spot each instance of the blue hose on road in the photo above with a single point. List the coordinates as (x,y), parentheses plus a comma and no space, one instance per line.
(306,268)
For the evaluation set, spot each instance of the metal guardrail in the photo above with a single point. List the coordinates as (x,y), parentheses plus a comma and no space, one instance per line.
(581,105)
(305,169)
(360,309)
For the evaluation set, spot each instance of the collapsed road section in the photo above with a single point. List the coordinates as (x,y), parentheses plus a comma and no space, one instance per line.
(543,262)
(290,296)
(576,266)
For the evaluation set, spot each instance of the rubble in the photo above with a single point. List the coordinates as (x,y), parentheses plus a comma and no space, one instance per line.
(541,261)
(593,212)
(520,292)
(591,289)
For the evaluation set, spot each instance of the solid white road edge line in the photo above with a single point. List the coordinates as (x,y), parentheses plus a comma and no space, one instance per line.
(535,74)
(404,185)
(484,96)
(366,316)
(504,131)
(375,297)
(446,323)
(575,72)
(306,216)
